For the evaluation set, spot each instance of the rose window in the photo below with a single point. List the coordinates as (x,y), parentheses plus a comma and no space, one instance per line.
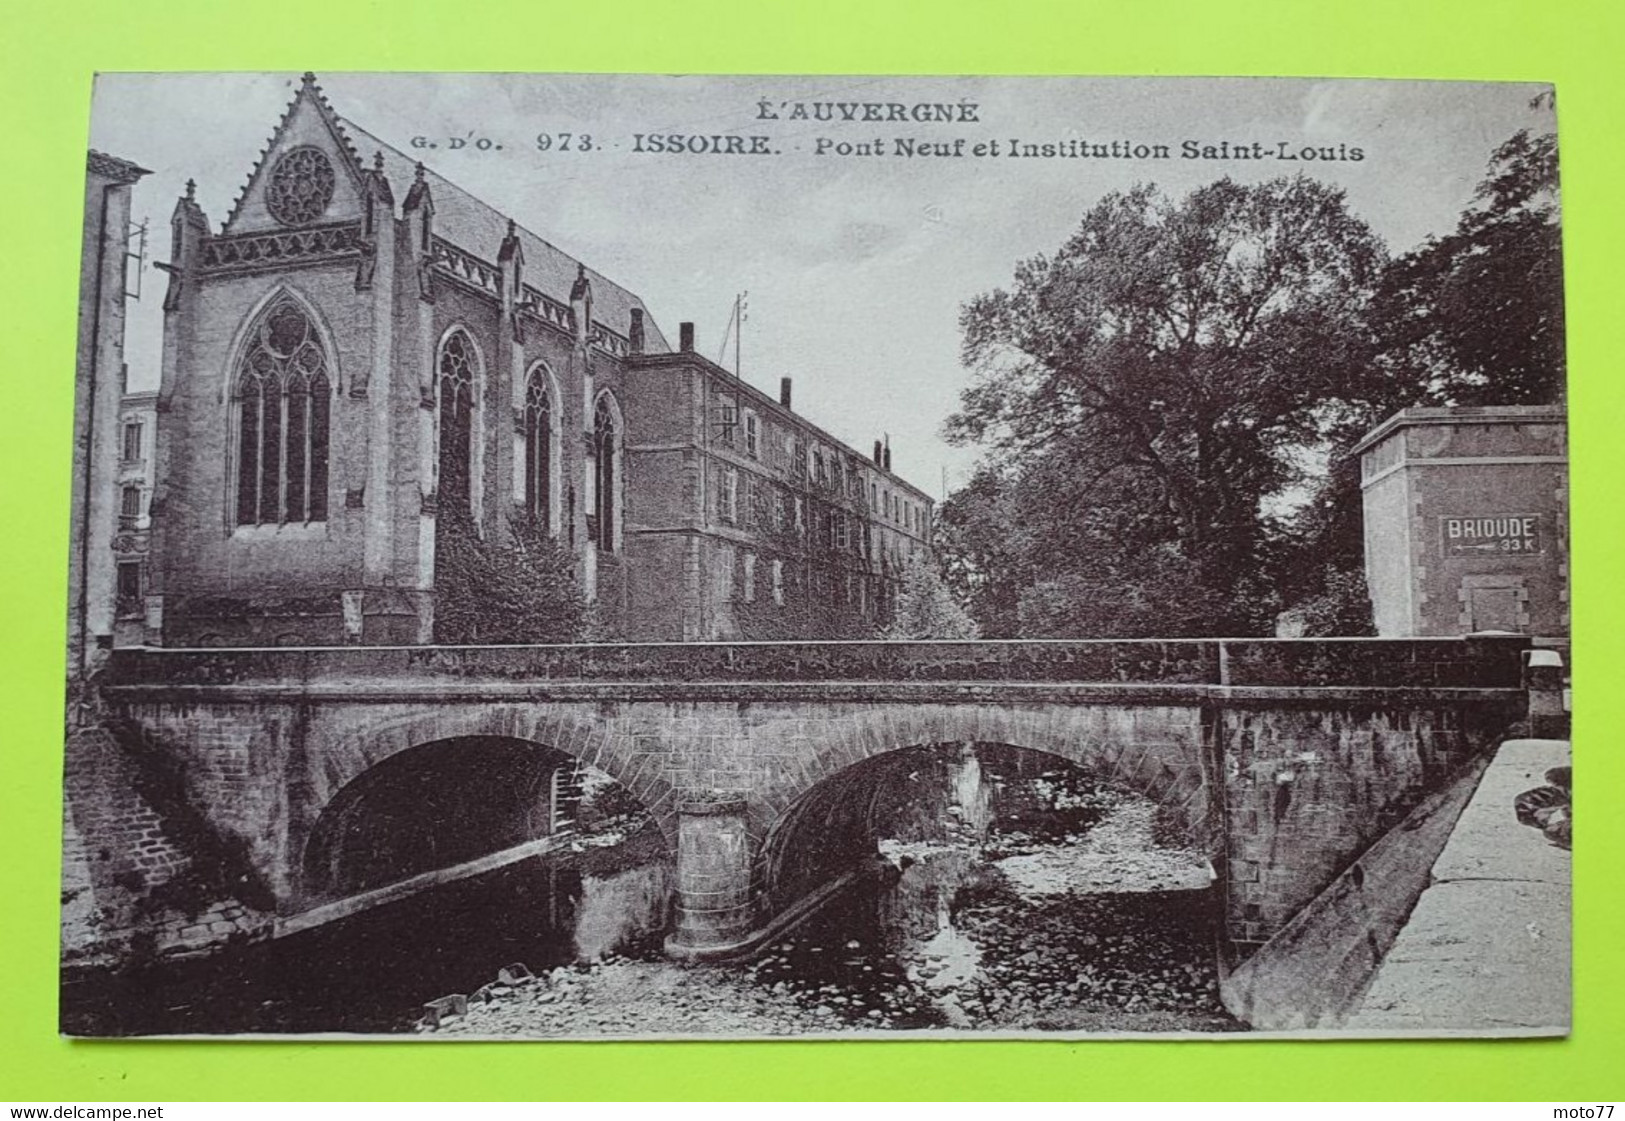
(301,187)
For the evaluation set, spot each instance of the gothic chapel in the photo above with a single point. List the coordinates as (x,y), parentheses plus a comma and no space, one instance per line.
(364,349)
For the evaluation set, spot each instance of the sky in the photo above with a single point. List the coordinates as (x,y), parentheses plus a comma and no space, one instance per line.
(856,264)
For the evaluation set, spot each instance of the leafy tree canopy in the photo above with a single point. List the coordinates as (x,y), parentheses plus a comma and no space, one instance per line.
(1476,317)
(1147,388)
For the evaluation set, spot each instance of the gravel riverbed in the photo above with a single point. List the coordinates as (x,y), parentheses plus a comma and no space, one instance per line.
(1104,932)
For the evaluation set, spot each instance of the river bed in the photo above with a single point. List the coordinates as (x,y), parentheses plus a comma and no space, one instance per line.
(1072,916)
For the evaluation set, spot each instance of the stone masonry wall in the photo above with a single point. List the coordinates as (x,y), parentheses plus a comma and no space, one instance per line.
(1304,788)
(1307,791)
(131,883)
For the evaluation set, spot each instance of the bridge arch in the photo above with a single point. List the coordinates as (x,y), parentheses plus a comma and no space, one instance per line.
(353,752)
(834,815)
(1160,752)
(433,807)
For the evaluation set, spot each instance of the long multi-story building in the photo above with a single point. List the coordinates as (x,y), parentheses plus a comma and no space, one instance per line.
(366,356)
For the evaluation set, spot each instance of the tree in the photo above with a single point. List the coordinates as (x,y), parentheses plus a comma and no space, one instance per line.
(1147,388)
(926,608)
(981,563)
(516,586)
(1476,317)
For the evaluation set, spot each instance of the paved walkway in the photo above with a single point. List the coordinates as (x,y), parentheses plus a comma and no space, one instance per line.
(1487,949)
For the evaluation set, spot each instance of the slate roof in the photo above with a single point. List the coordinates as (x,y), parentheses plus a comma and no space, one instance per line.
(479,228)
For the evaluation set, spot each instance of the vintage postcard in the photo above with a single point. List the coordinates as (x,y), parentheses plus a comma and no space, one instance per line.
(592,556)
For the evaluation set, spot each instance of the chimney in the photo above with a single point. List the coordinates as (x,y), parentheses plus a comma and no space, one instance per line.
(634,334)
(887,464)
(685,337)
(784,392)
(878,457)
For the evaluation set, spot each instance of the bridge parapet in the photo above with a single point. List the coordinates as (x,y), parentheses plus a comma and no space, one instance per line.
(1485,662)
(1473,662)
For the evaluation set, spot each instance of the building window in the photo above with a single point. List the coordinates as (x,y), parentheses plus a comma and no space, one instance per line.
(132,440)
(129,587)
(728,424)
(798,459)
(778,582)
(753,436)
(750,577)
(539,432)
(129,509)
(282,400)
(456,422)
(760,495)
(722,575)
(606,444)
(729,498)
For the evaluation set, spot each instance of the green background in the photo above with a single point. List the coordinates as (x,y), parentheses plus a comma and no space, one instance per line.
(50,50)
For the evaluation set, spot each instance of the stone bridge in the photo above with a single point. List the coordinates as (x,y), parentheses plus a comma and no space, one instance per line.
(1281,760)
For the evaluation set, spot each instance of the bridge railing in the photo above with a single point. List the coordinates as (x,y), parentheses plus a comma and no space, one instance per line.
(1471,662)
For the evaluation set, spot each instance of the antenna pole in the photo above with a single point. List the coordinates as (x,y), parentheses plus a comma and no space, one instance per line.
(722,351)
(740,308)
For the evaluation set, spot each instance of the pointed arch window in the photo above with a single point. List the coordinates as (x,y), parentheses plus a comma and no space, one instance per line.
(539,433)
(456,402)
(283,401)
(606,453)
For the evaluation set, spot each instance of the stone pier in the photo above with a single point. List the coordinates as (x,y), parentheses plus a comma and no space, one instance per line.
(714,913)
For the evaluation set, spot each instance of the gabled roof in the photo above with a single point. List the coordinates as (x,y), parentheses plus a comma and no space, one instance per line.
(478,228)
(308,90)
